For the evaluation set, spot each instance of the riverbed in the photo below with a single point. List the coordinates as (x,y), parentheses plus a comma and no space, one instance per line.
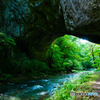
(36,89)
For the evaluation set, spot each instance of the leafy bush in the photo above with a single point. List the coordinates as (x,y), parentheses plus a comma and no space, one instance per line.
(80,84)
(25,65)
(6,45)
(6,48)
(6,41)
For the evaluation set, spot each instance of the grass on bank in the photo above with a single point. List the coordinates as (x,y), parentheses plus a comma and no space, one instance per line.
(78,85)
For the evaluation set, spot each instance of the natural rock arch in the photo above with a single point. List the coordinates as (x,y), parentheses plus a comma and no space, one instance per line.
(36,23)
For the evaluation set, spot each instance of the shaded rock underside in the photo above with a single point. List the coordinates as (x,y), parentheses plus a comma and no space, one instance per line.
(34,24)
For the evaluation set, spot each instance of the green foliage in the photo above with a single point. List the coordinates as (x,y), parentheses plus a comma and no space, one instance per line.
(25,65)
(68,53)
(5,77)
(97,63)
(65,54)
(77,85)
(40,67)
(6,45)
(20,63)
(5,41)
(6,48)
(96,51)
(56,58)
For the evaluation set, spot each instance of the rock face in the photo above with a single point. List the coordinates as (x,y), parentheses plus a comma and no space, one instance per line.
(82,17)
(80,12)
(14,14)
(36,23)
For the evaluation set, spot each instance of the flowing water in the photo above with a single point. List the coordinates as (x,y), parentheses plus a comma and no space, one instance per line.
(36,89)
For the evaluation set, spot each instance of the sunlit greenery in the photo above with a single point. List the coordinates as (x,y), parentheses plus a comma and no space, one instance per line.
(81,85)
(69,53)
(66,54)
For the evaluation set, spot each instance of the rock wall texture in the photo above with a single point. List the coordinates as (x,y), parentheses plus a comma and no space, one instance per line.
(34,24)
(82,17)
(14,14)
(80,12)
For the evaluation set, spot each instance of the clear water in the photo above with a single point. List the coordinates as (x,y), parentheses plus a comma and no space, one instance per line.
(36,89)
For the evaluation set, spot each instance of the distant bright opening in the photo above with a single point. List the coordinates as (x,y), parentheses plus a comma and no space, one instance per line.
(83,41)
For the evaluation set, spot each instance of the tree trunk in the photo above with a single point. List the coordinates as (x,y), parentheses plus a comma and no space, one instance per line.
(93,55)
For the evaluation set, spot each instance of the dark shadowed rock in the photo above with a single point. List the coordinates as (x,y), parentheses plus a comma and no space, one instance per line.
(36,23)
(82,18)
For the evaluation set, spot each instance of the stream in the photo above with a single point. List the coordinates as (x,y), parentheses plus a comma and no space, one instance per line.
(36,89)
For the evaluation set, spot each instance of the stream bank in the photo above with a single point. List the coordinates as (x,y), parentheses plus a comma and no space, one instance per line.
(38,89)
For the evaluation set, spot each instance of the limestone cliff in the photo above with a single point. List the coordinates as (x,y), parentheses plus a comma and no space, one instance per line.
(36,23)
